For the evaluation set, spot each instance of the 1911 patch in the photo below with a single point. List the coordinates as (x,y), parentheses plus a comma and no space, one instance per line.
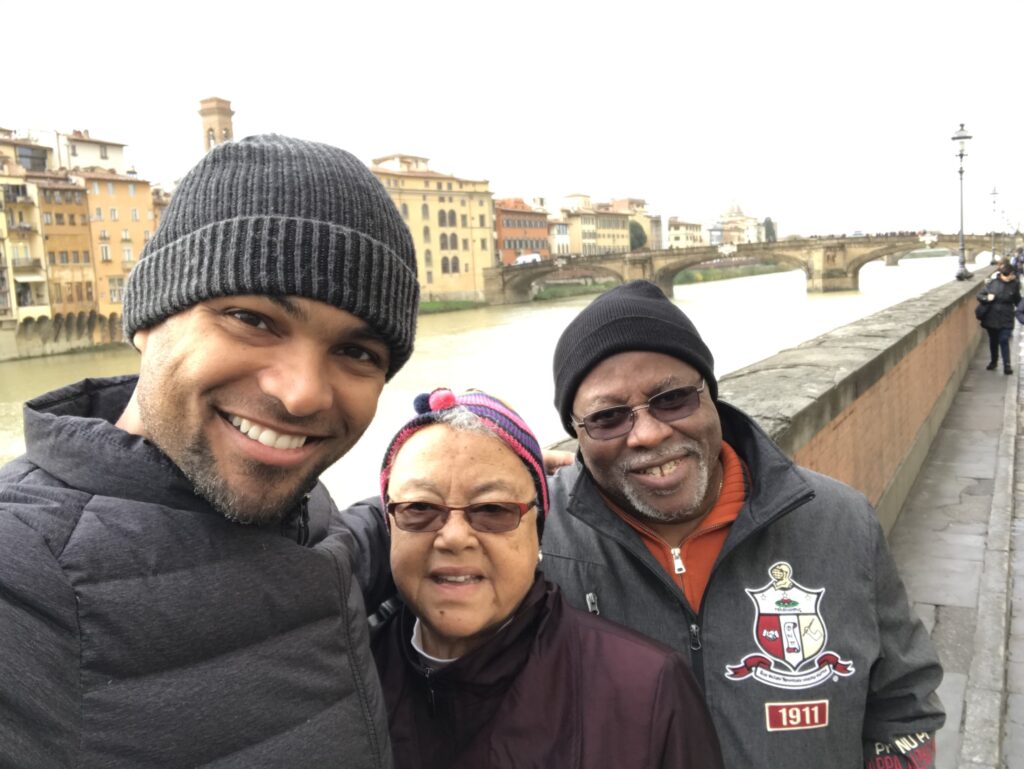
(788,716)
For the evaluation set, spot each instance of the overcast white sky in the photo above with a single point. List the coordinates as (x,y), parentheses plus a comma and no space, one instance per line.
(826,117)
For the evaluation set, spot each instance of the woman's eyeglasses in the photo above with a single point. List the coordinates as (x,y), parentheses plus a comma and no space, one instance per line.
(486,517)
(669,406)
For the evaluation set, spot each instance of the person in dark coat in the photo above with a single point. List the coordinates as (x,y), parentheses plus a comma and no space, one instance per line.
(484,664)
(172,593)
(1000,298)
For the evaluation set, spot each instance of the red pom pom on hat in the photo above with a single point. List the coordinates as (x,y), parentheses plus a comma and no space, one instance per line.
(442,398)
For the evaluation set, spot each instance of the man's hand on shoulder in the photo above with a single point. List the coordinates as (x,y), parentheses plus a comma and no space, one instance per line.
(554,459)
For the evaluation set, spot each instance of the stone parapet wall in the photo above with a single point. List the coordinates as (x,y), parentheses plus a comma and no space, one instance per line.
(862,403)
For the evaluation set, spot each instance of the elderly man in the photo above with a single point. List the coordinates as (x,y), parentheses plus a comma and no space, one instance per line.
(681,519)
(169,592)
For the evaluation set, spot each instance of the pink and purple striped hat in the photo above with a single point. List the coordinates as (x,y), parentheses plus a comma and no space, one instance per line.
(501,421)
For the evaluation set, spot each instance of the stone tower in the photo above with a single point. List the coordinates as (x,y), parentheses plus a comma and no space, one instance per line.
(216,114)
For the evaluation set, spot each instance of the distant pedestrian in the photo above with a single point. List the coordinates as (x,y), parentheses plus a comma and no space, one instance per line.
(1000,298)
(1018,261)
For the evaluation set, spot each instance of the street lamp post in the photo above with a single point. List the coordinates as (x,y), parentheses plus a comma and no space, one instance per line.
(992,250)
(962,137)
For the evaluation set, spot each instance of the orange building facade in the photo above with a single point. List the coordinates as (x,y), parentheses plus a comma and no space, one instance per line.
(520,229)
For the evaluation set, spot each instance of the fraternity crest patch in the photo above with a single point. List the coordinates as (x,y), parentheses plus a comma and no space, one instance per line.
(790,632)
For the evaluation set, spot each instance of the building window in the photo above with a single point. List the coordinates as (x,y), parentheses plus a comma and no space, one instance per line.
(71,219)
(69,292)
(430,276)
(99,215)
(455,264)
(211,138)
(442,218)
(52,257)
(428,258)
(425,211)
(47,218)
(126,253)
(125,235)
(444,265)
(59,218)
(75,258)
(464,218)
(78,291)
(481,220)
(135,214)
(103,235)
(131,190)
(444,241)
(116,289)
(55,290)
(95,188)
(483,244)
(465,244)
(426,234)
(74,150)
(113,214)
(104,252)
(63,257)
(405,211)
(451,218)
(145,236)
(110,188)
(85,257)
(88,292)
(103,151)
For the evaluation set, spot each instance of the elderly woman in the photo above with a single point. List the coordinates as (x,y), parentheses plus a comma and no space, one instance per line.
(485,665)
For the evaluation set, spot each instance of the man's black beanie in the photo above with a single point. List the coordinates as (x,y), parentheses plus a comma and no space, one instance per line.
(633,316)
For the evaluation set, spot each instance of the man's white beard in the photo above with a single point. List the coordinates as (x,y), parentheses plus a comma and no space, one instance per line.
(637,498)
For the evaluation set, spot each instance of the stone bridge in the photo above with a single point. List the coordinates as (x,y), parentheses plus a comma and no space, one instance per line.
(830,264)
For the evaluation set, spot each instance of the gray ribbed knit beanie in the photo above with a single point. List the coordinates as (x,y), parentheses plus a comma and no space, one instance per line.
(281,216)
(633,316)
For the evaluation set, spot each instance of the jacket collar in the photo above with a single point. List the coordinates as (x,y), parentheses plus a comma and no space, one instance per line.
(70,433)
(495,663)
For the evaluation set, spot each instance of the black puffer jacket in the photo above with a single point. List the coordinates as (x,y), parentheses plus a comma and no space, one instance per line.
(1006,293)
(138,627)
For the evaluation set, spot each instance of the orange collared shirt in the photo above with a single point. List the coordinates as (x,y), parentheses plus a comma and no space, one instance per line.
(698,551)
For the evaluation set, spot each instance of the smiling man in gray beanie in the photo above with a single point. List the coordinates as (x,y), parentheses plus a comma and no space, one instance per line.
(170,594)
(682,520)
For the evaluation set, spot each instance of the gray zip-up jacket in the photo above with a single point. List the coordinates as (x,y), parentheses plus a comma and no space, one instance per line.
(805,644)
(140,628)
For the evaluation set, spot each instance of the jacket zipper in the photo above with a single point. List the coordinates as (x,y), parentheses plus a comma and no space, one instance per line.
(303,535)
(427,672)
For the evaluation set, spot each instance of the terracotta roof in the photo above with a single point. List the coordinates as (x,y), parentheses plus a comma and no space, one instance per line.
(75,136)
(102,173)
(23,143)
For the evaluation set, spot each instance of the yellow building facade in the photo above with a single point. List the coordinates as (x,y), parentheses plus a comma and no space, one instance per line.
(452,225)
(69,251)
(121,221)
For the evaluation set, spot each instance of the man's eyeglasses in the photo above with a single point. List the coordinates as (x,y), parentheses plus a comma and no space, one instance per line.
(485,517)
(669,406)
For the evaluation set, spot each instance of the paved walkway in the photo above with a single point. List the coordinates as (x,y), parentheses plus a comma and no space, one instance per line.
(959,543)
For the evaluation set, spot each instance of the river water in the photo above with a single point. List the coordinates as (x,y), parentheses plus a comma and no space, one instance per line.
(507,351)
